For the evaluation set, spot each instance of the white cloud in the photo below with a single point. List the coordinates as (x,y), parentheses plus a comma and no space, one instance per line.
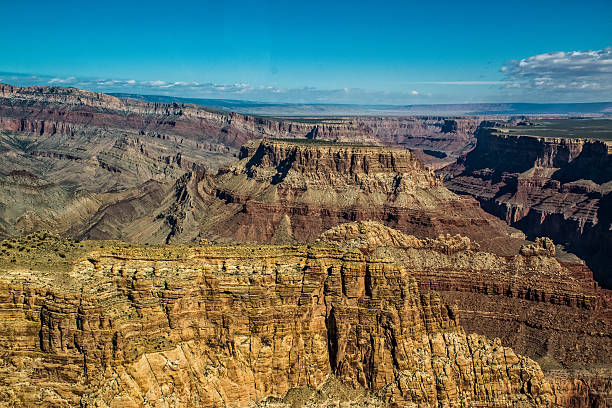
(61,80)
(414,92)
(579,73)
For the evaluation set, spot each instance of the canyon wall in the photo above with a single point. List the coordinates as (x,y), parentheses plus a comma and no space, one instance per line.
(286,190)
(296,190)
(117,325)
(548,309)
(555,186)
(100,324)
(99,162)
(51,110)
(442,140)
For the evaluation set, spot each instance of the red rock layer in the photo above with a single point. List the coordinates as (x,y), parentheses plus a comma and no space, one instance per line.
(558,187)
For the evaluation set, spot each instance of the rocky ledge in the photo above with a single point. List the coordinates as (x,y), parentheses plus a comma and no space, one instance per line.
(102,324)
(549,310)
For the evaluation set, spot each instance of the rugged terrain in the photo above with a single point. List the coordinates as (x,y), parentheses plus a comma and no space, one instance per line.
(110,324)
(548,309)
(90,165)
(438,141)
(293,191)
(354,110)
(71,156)
(550,178)
(102,323)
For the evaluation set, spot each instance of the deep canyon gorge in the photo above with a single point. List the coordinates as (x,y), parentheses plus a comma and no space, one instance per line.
(175,255)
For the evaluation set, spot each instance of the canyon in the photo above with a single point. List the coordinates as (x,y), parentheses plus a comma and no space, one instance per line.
(90,165)
(202,257)
(550,178)
(69,155)
(96,323)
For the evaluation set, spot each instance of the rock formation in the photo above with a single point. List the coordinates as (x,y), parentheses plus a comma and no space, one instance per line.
(166,189)
(557,185)
(318,185)
(549,310)
(441,139)
(100,324)
(52,110)
(367,315)
(98,158)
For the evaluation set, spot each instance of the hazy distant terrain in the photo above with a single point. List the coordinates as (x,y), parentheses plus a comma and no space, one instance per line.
(313,109)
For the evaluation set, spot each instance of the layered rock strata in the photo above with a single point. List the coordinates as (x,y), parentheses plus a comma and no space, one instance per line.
(51,110)
(442,140)
(560,187)
(313,186)
(549,310)
(116,325)
(100,162)
(278,191)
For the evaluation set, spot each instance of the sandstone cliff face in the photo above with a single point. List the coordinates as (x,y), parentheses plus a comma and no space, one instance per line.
(551,311)
(230,326)
(554,186)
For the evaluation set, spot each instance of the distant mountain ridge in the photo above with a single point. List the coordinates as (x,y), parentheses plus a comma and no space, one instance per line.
(323,109)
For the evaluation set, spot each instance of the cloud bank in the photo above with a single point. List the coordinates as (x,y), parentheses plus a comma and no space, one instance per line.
(574,75)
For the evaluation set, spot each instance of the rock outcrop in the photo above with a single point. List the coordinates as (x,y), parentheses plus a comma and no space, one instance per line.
(551,311)
(98,324)
(558,185)
(318,185)
(99,158)
(442,140)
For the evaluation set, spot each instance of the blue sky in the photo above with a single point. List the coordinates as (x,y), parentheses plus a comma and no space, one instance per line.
(356,52)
